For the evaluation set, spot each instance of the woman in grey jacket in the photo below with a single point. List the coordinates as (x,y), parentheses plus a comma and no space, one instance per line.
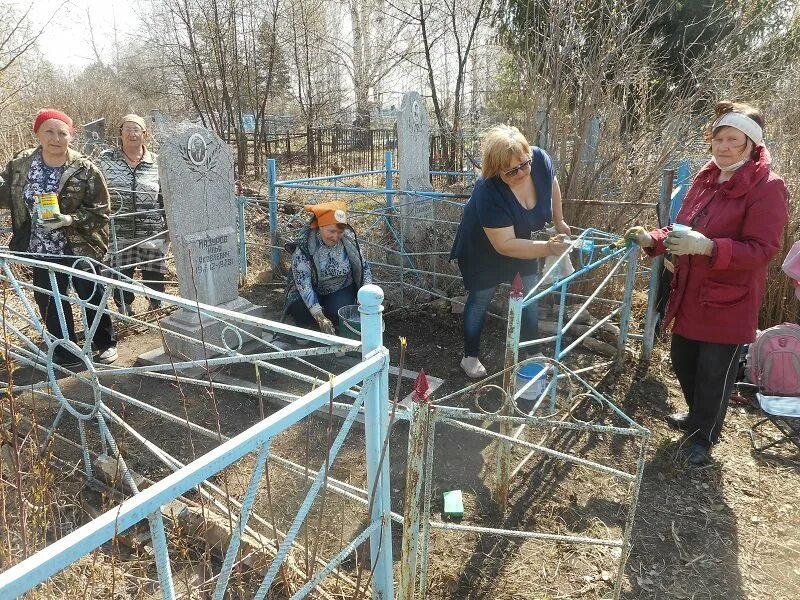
(140,240)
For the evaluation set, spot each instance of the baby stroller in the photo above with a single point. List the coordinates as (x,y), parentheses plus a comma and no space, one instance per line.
(773,365)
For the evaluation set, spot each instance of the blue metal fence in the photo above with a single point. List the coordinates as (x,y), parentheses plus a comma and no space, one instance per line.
(366,383)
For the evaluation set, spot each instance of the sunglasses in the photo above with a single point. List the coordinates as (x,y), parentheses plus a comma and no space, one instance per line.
(518,168)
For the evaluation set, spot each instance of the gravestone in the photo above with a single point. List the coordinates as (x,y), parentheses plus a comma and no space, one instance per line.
(414,145)
(413,148)
(418,232)
(197,183)
(94,134)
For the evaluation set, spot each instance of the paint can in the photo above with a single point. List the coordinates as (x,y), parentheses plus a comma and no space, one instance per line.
(48,207)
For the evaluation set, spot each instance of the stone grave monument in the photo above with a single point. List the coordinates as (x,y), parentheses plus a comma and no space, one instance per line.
(197,183)
(419,234)
(94,134)
(414,147)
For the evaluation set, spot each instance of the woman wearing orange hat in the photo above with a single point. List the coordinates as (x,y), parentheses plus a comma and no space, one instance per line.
(78,229)
(327,268)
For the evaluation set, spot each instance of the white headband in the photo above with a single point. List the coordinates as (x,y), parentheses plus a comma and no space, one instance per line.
(743,123)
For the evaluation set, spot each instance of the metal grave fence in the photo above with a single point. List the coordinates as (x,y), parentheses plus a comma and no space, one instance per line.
(384,217)
(516,415)
(224,473)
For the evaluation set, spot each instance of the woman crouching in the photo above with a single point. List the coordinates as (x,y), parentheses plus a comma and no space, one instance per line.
(328,268)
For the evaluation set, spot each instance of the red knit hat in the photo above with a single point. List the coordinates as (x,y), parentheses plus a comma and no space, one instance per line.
(50,113)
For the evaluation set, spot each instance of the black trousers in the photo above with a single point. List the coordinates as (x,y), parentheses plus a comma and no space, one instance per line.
(706,372)
(104,337)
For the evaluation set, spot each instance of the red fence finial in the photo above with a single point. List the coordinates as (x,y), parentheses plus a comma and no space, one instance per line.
(421,388)
(517,287)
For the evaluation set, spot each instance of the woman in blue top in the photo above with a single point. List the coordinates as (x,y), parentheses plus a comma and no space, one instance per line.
(517,194)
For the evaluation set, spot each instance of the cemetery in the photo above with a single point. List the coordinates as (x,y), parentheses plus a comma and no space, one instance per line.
(407,300)
(271,459)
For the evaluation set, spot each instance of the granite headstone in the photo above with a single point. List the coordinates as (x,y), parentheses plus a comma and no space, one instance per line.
(197,183)
(413,141)
(413,147)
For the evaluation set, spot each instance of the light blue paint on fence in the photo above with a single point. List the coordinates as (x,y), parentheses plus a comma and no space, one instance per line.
(370,299)
(370,375)
(388,181)
(682,182)
(272,197)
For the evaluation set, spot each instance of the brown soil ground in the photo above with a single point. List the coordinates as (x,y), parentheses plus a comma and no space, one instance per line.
(729,530)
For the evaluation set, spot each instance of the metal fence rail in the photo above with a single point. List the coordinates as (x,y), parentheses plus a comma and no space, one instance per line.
(513,421)
(30,345)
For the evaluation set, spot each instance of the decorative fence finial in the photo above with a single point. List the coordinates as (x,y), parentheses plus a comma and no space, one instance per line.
(422,390)
(517,287)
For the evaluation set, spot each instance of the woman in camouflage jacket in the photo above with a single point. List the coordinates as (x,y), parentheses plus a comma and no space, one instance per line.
(80,230)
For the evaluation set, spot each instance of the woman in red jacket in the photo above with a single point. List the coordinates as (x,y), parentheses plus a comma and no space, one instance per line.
(727,231)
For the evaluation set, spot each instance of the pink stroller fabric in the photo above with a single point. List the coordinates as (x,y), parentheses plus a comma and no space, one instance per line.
(791,266)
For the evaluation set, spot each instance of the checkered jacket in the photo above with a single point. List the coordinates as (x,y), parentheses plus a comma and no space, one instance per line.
(136,203)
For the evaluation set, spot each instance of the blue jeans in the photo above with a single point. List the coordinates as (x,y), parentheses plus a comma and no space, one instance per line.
(331,303)
(475,316)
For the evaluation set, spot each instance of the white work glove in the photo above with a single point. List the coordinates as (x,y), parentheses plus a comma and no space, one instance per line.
(325,325)
(639,236)
(63,221)
(688,242)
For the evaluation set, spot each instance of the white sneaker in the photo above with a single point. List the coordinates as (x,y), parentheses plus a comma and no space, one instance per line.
(473,367)
(107,356)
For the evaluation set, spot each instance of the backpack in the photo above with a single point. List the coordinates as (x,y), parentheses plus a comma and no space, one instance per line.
(773,360)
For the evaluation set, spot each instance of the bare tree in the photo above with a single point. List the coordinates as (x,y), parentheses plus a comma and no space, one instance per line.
(378,43)
(224,57)
(315,68)
(448,33)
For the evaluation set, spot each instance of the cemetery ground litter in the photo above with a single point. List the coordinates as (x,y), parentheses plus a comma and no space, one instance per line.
(730,530)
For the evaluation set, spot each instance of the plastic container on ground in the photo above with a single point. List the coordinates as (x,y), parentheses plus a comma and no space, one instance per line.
(528,372)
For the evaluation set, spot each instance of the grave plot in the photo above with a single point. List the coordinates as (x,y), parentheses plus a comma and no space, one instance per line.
(234,493)
(288,496)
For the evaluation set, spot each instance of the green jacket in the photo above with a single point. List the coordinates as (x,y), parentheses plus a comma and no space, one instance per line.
(82,194)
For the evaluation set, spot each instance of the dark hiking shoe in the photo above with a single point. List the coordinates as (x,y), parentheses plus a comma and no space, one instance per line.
(67,360)
(698,455)
(679,421)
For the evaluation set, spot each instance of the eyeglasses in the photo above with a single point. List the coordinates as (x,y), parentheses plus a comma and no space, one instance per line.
(132,130)
(518,168)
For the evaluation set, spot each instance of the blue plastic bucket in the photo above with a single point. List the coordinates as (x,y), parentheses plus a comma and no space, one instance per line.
(528,372)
